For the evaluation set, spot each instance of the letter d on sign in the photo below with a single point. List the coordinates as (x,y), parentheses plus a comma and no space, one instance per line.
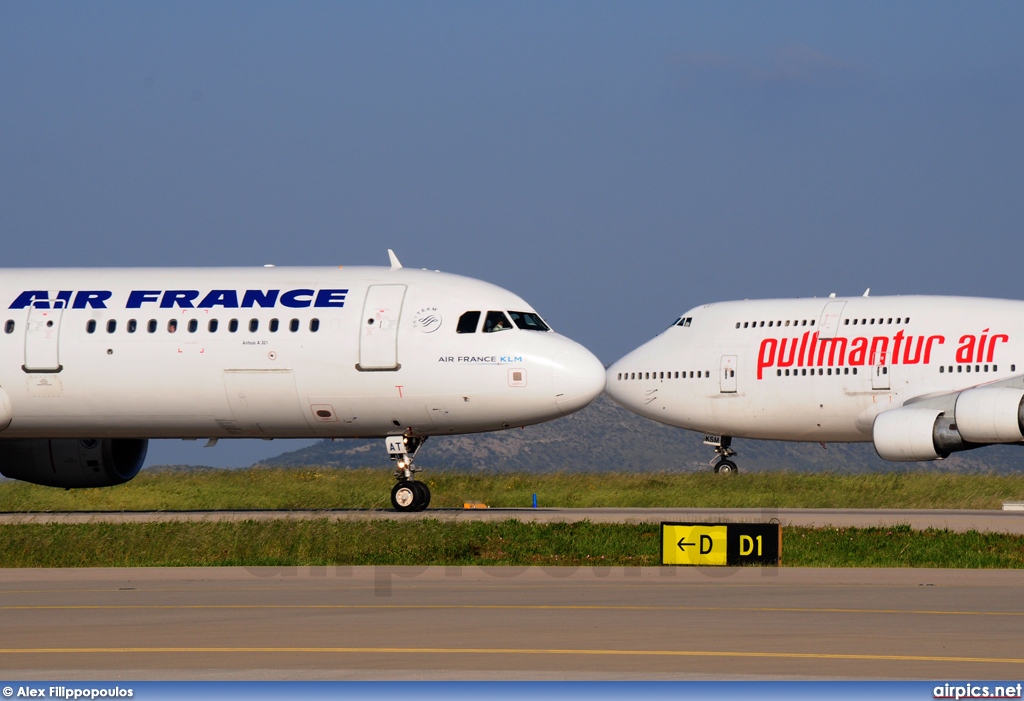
(746,545)
(705,544)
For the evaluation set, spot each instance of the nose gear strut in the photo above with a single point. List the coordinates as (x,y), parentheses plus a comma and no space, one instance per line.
(408,494)
(721,462)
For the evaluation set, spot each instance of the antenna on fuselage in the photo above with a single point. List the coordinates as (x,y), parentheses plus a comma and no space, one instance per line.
(395,263)
(867,292)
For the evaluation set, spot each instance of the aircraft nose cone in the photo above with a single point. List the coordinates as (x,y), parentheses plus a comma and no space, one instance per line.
(618,391)
(611,387)
(578,378)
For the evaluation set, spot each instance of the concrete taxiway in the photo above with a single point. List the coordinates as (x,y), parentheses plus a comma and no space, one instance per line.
(510,623)
(518,623)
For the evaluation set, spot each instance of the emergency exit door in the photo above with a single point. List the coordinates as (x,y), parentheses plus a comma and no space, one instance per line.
(378,338)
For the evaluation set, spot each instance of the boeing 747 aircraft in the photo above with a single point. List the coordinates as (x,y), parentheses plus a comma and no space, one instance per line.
(920,377)
(95,362)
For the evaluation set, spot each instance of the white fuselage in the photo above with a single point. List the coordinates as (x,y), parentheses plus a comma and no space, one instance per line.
(273,353)
(816,369)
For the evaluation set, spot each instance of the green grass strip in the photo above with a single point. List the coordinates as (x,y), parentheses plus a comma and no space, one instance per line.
(335,488)
(431,542)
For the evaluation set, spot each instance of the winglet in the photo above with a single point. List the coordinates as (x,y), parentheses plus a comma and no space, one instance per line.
(395,264)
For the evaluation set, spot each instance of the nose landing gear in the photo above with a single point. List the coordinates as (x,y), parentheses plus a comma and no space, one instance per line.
(726,467)
(721,462)
(408,494)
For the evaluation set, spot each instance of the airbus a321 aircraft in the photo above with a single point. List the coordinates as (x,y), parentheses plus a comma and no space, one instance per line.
(95,362)
(920,377)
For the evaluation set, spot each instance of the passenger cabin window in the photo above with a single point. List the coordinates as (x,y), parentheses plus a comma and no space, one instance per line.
(496,321)
(132,325)
(293,325)
(254,325)
(468,322)
(314,325)
(233,325)
(111,326)
(528,321)
(212,325)
(172,326)
(151,326)
(90,327)
(9,326)
(274,325)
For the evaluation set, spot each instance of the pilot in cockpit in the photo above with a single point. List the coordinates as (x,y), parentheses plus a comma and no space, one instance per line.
(496,321)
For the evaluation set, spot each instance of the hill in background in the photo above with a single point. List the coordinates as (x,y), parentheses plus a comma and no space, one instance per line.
(606,438)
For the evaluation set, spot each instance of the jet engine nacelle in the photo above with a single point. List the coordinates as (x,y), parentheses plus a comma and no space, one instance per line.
(70,462)
(911,434)
(990,414)
(906,435)
(982,416)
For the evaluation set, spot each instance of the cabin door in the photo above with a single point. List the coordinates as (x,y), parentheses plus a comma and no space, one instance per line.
(42,340)
(378,337)
(728,374)
(880,369)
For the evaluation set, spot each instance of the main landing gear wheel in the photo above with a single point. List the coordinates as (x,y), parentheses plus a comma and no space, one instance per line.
(726,467)
(410,495)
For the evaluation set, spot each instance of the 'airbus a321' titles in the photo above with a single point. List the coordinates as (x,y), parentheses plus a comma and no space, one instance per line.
(93,363)
(920,377)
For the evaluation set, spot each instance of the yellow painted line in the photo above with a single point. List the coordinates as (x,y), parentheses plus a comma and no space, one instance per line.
(498,607)
(504,651)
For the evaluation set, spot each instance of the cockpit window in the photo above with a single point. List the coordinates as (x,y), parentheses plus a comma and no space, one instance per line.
(528,321)
(684,321)
(468,322)
(496,321)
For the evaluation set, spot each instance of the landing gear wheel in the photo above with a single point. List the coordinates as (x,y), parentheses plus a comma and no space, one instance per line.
(726,467)
(404,496)
(410,495)
(723,451)
(422,494)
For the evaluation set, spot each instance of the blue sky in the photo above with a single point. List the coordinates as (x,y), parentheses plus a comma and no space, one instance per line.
(613,163)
